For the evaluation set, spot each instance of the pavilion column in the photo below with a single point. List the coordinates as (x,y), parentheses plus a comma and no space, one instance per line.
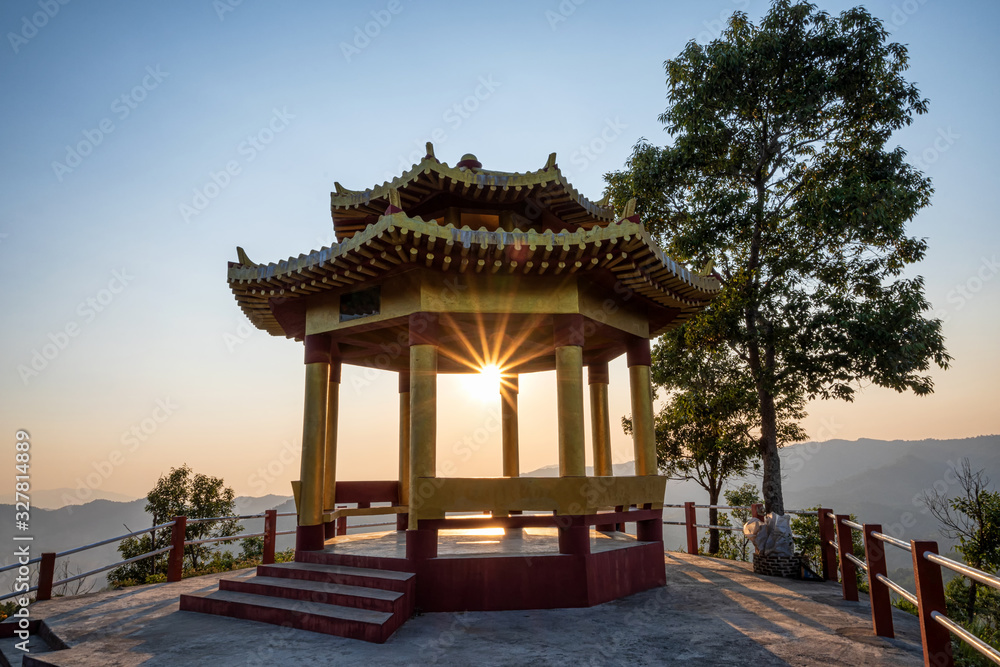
(423,405)
(309,535)
(508,425)
(600,418)
(330,454)
(641,389)
(402,520)
(568,342)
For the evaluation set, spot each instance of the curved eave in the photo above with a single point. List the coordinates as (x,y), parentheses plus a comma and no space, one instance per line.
(622,248)
(351,209)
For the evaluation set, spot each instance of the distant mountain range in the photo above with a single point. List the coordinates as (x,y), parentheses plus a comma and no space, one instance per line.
(52,499)
(879,481)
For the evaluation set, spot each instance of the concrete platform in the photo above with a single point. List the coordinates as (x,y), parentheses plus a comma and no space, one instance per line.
(472,543)
(711,612)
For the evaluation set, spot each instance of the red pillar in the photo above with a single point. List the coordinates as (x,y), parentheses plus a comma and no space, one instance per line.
(690,519)
(650,530)
(848,570)
(270,528)
(878,593)
(936,638)
(175,561)
(421,544)
(574,537)
(827,552)
(46,572)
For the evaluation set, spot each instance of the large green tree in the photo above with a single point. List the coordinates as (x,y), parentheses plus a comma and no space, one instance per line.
(779,172)
(707,429)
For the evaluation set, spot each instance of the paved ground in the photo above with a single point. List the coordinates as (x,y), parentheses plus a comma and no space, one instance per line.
(711,612)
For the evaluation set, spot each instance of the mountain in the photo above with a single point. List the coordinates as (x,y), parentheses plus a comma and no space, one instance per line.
(55,498)
(880,481)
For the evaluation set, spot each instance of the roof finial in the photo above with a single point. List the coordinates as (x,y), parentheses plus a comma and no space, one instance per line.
(394,204)
(470,162)
(551,161)
(630,210)
(430,151)
(244,260)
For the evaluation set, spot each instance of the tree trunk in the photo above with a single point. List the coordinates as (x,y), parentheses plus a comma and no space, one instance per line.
(713,520)
(773,499)
(970,603)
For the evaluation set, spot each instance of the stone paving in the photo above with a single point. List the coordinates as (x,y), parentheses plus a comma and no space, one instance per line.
(711,612)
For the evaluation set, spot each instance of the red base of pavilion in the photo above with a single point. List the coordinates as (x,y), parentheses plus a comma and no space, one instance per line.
(558,561)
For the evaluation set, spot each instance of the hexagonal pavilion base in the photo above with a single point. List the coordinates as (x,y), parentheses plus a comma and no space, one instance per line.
(492,570)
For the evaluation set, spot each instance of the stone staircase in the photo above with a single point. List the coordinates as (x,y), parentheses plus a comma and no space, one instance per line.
(355,602)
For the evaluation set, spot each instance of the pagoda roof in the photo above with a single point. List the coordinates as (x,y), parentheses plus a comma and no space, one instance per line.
(620,251)
(431,182)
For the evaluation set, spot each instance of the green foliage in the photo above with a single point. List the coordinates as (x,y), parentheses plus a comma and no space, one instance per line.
(252,548)
(180,493)
(973,518)
(734,545)
(779,173)
(805,528)
(8,608)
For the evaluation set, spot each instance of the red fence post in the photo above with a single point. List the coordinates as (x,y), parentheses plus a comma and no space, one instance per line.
(757,511)
(878,593)
(828,554)
(342,525)
(46,572)
(690,520)
(175,562)
(936,638)
(848,570)
(270,528)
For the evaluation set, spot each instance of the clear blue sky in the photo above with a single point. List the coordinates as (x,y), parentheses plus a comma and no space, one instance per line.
(97,254)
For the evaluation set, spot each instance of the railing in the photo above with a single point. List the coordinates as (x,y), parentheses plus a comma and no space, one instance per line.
(935,626)
(47,561)
(836,533)
(691,524)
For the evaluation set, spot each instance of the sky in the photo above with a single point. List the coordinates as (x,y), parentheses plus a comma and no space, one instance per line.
(144,141)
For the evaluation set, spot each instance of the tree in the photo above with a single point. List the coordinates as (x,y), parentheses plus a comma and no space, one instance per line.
(734,545)
(973,518)
(179,493)
(707,429)
(779,173)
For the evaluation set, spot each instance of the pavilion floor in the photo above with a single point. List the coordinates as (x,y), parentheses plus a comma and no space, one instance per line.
(486,543)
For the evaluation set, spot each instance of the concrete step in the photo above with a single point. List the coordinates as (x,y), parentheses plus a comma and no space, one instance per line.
(376,599)
(390,580)
(13,656)
(331,619)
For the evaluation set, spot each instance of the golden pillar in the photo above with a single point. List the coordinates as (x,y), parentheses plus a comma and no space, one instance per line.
(600,418)
(568,339)
(423,405)
(332,421)
(641,389)
(309,534)
(508,425)
(404,437)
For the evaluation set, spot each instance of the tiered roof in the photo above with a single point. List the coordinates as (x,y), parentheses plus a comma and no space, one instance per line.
(380,233)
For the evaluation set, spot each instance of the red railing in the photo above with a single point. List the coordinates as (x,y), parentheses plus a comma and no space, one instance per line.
(936,627)
(47,561)
(837,556)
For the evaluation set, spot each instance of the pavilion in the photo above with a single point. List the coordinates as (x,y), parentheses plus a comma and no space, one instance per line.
(448,270)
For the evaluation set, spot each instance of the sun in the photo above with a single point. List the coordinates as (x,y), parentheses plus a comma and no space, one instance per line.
(484,385)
